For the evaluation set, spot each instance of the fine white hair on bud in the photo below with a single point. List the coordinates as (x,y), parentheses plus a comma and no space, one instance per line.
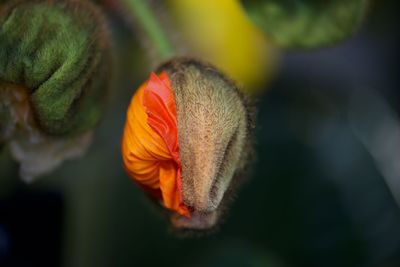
(213,120)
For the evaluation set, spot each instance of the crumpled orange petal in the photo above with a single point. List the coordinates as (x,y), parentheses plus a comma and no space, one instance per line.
(150,147)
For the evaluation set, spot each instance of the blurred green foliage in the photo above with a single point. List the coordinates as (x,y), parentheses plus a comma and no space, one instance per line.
(307,23)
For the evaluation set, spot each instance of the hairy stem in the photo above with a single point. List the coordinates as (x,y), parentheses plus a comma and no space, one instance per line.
(151,27)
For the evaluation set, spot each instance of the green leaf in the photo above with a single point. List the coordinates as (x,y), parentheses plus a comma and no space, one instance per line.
(306,23)
(59,51)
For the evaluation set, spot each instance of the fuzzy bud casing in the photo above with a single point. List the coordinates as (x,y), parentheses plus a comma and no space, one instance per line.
(58,51)
(54,79)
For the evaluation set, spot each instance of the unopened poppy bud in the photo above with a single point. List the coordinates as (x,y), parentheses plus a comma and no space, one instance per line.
(58,51)
(54,66)
(186,137)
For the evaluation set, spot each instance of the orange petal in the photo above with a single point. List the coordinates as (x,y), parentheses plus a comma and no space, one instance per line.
(150,146)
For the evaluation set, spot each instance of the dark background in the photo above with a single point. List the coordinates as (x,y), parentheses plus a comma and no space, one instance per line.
(324,190)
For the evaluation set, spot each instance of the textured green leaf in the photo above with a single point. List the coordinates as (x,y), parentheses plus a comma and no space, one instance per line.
(58,50)
(306,23)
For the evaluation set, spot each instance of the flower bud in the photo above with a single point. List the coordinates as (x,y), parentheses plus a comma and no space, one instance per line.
(58,51)
(54,66)
(186,138)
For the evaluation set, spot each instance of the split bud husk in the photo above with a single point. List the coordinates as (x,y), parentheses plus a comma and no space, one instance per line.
(54,78)
(213,131)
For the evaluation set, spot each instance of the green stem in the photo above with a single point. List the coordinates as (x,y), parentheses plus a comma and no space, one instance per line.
(151,26)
